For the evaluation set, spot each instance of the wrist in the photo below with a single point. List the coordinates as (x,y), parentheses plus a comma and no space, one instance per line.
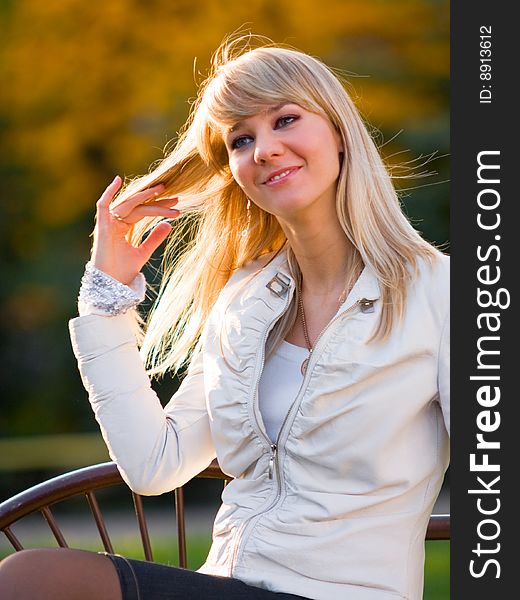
(100,293)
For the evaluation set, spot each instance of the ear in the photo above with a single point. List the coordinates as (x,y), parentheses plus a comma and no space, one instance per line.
(341,151)
(339,141)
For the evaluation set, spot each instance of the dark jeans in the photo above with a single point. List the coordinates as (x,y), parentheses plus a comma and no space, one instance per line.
(141,580)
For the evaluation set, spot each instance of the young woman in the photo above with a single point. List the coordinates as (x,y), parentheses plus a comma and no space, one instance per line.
(315,322)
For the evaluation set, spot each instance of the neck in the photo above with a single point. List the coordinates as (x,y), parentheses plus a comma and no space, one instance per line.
(324,254)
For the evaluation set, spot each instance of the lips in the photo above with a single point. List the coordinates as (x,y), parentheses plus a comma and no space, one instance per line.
(280,175)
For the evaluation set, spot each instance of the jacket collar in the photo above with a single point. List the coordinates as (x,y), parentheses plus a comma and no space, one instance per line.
(281,282)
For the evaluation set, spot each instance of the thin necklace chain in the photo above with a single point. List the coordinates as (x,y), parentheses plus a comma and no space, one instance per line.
(341,300)
(304,323)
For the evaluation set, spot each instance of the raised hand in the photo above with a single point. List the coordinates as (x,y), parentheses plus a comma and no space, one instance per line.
(112,251)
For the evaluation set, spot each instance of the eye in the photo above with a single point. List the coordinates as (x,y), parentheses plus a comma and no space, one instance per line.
(285,120)
(240,141)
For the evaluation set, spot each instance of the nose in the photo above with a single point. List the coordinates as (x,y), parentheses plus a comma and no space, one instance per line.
(267,147)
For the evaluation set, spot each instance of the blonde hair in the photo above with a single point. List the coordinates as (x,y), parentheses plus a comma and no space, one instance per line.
(207,244)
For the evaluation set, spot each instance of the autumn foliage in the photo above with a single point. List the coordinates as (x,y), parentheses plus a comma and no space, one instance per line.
(91,89)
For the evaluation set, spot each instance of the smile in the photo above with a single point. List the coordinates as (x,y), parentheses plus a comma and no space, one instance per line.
(281,175)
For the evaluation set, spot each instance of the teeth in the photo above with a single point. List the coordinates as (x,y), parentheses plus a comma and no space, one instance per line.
(280,176)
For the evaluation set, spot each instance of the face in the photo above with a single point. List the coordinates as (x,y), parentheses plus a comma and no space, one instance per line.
(286,160)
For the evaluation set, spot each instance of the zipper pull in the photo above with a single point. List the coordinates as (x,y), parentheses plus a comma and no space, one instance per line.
(271,460)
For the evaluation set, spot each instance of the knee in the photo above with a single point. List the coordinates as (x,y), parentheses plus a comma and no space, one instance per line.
(58,574)
(15,571)
(30,574)
(17,564)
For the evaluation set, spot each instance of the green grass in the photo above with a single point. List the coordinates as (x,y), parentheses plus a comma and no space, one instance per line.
(437,571)
(52,452)
(437,566)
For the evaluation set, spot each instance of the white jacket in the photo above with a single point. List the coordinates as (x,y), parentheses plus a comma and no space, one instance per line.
(338,508)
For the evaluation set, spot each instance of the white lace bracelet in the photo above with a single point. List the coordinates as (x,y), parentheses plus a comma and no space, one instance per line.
(101,294)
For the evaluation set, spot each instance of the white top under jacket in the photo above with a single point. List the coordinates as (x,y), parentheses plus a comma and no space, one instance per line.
(279,385)
(338,508)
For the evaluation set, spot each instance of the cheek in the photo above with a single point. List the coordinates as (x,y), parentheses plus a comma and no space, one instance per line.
(239,172)
(234,167)
(327,163)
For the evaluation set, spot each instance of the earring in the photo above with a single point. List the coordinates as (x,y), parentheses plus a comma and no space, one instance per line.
(245,232)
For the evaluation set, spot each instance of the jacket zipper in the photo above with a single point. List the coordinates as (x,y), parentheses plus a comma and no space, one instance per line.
(272,447)
(273,459)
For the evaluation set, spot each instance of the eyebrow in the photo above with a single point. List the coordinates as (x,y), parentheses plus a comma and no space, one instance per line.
(269,110)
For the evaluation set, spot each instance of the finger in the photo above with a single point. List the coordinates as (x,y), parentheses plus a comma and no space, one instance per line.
(155,238)
(162,203)
(148,210)
(109,192)
(165,203)
(131,217)
(126,206)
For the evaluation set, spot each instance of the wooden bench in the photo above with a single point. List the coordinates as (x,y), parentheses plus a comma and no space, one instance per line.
(89,480)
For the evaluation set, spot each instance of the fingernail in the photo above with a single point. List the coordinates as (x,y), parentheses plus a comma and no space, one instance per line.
(116,178)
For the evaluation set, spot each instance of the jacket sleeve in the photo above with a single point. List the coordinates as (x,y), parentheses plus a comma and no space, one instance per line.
(444,372)
(156,449)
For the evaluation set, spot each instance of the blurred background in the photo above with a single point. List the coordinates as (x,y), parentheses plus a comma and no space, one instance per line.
(93,89)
